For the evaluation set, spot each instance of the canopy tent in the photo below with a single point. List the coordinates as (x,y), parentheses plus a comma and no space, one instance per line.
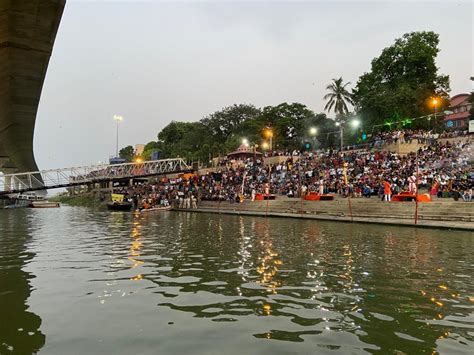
(244,152)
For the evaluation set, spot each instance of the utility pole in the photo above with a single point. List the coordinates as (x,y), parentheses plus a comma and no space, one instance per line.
(117,119)
(342,134)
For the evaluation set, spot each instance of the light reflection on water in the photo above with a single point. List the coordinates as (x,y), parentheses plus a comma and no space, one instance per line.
(105,282)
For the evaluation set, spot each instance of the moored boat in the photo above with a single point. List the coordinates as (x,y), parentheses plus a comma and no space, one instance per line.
(119,206)
(30,200)
(156,209)
(44,204)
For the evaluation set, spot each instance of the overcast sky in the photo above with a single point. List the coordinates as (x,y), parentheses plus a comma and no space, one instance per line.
(153,62)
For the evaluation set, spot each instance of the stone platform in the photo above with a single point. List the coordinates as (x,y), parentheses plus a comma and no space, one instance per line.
(436,214)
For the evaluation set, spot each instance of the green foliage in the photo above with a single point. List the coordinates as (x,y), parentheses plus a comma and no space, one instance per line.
(127,153)
(287,122)
(214,136)
(402,80)
(338,97)
(398,88)
(189,140)
(151,147)
(221,124)
(80,200)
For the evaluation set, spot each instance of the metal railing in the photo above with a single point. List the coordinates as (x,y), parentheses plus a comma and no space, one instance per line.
(84,175)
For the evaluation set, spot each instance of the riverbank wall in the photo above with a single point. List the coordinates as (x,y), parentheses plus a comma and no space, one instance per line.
(436,214)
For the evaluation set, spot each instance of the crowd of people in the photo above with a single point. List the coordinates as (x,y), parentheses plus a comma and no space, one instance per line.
(405,136)
(408,136)
(438,169)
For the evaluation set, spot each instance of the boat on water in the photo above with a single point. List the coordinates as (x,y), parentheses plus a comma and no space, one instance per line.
(156,209)
(30,200)
(119,206)
(118,203)
(45,204)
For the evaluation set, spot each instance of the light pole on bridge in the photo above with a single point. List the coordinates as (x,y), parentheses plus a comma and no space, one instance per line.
(117,119)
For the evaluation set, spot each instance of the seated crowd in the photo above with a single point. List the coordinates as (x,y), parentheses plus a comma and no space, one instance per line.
(443,170)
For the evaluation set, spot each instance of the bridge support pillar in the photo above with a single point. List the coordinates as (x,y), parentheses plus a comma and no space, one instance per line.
(8,183)
(130,183)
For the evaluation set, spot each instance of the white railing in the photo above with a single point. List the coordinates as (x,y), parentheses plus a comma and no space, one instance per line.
(54,178)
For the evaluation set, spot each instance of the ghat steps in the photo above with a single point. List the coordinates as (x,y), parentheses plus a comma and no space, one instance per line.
(438,211)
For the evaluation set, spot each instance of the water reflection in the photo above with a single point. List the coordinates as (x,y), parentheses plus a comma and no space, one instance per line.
(330,279)
(257,285)
(19,327)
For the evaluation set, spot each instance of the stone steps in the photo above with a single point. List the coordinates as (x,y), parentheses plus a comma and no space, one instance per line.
(436,211)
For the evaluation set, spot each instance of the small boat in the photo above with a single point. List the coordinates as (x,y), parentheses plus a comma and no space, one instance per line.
(119,206)
(156,209)
(18,204)
(44,204)
(29,200)
(119,203)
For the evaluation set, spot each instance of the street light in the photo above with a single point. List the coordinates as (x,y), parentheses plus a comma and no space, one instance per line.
(313,131)
(245,142)
(117,119)
(355,123)
(265,145)
(269,133)
(434,102)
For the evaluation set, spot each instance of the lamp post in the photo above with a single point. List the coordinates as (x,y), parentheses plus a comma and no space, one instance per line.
(434,102)
(313,131)
(117,119)
(269,134)
(339,124)
(354,123)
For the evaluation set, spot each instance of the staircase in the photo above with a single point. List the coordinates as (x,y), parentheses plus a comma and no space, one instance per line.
(441,213)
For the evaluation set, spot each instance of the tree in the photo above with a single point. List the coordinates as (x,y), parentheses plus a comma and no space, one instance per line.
(127,153)
(326,129)
(402,80)
(287,122)
(189,140)
(221,124)
(338,97)
(173,132)
(151,147)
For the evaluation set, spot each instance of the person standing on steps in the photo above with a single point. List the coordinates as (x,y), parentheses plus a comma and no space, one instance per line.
(387,191)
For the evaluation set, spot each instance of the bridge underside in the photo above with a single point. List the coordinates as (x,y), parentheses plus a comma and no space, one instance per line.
(27,32)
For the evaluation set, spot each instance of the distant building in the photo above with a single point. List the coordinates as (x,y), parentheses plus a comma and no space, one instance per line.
(459,105)
(155,155)
(139,148)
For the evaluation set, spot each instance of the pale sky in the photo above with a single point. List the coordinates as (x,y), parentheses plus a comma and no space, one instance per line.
(153,62)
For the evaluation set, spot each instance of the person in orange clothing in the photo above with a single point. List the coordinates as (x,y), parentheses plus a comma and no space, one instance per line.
(387,191)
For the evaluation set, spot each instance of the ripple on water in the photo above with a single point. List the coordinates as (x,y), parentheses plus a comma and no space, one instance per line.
(227,282)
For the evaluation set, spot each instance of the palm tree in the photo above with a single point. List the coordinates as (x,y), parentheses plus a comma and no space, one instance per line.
(338,97)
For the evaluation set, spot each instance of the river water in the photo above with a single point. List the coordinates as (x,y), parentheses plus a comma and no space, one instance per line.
(82,281)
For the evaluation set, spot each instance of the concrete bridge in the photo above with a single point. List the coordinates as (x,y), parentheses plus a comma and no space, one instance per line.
(27,32)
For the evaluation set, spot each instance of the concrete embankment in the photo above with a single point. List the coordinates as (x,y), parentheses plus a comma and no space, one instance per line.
(436,214)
